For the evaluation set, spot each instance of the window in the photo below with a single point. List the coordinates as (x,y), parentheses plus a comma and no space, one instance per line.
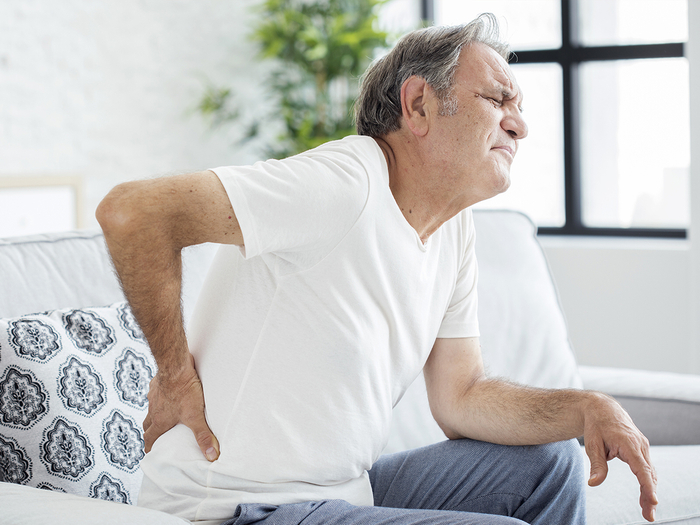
(607,102)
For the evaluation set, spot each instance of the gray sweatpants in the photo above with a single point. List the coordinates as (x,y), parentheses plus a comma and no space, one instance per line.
(453,482)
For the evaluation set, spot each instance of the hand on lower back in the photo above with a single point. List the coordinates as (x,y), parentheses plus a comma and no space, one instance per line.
(176,400)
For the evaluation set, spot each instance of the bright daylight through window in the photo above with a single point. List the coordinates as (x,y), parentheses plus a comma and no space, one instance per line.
(607,103)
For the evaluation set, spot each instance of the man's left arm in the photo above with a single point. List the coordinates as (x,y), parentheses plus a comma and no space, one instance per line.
(466,404)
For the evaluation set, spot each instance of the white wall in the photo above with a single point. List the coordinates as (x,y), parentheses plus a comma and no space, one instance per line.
(627,302)
(693,54)
(107,90)
(632,303)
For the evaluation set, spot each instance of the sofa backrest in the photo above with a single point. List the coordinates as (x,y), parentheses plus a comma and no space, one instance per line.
(46,272)
(73,270)
(523,330)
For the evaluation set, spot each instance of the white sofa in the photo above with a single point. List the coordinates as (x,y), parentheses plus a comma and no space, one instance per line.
(93,368)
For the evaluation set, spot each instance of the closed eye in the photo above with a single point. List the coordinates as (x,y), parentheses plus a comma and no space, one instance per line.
(499,102)
(496,102)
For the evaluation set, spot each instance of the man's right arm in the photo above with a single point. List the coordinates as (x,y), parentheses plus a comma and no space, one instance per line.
(146,225)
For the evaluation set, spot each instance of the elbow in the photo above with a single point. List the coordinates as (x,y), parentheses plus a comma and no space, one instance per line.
(449,432)
(446,425)
(453,408)
(444,415)
(117,213)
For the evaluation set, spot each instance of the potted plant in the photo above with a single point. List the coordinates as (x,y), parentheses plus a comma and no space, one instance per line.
(319,48)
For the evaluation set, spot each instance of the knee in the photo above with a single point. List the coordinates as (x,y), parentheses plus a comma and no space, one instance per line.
(558,493)
(564,459)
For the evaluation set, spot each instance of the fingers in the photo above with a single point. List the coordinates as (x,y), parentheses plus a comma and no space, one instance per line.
(639,464)
(149,437)
(610,434)
(599,461)
(153,428)
(183,403)
(147,422)
(641,467)
(206,440)
(649,498)
(648,502)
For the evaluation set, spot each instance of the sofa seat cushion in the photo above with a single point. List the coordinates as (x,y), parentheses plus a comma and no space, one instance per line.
(73,395)
(616,501)
(31,506)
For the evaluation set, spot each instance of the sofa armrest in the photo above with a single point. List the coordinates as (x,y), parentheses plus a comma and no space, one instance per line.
(665,406)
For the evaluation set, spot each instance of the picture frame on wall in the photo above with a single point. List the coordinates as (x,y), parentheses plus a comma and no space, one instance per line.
(31,205)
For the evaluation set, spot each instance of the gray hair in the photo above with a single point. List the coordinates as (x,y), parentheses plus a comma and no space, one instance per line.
(431,53)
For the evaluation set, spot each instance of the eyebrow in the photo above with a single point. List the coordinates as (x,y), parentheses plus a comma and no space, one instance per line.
(506,93)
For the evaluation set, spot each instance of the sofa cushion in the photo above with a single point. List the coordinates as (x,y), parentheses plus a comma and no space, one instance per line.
(73,269)
(31,506)
(57,270)
(665,406)
(523,330)
(73,387)
(616,501)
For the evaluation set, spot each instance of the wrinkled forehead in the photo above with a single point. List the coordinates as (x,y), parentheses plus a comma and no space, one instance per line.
(481,63)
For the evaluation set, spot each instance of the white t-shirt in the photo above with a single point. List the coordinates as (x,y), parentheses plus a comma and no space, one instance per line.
(306,338)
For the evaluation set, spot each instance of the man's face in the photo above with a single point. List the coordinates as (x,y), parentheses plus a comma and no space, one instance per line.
(481,139)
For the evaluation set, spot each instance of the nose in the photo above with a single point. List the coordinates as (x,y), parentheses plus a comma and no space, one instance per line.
(514,124)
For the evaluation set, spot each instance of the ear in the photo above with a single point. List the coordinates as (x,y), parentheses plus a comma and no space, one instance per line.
(415,97)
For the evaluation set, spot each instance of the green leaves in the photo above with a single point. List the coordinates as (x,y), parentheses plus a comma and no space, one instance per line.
(215,104)
(320,48)
(321,35)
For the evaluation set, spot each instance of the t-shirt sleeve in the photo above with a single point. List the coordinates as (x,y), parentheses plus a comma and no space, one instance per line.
(461,319)
(303,203)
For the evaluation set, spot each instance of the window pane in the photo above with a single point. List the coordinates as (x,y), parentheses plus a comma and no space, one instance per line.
(614,22)
(525,24)
(635,143)
(537,174)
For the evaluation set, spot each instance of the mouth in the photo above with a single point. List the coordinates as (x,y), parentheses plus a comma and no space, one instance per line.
(507,149)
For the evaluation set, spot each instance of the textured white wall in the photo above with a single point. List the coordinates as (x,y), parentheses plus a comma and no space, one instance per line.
(107,90)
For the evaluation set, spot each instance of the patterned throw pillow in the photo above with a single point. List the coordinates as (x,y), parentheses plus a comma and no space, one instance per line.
(73,387)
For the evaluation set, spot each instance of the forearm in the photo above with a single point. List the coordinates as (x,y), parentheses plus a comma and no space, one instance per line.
(502,412)
(146,225)
(148,264)
(468,405)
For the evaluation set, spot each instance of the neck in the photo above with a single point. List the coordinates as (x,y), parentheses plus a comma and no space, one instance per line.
(422,195)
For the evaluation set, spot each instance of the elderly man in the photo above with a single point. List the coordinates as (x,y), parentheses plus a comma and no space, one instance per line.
(350,269)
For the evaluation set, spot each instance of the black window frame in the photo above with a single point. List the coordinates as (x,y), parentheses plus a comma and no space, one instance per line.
(569,56)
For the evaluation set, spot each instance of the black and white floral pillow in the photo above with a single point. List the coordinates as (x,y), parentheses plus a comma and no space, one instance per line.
(73,394)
